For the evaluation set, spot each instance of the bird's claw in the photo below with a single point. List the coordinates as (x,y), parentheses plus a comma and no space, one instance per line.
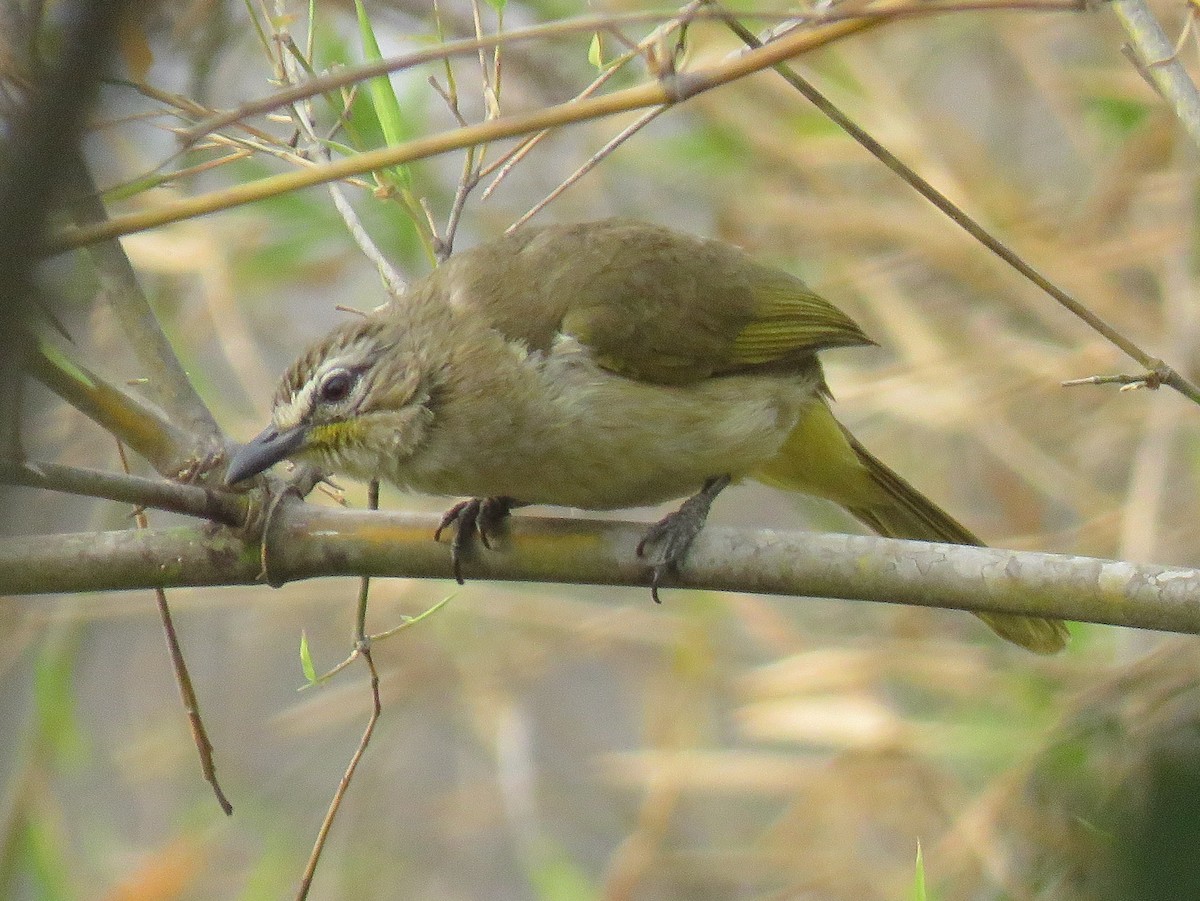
(478,516)
(667,542)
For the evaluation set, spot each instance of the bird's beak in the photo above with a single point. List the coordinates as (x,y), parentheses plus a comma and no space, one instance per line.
(264,450)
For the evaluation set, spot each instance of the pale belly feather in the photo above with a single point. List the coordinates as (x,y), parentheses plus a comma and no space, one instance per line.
(574,435)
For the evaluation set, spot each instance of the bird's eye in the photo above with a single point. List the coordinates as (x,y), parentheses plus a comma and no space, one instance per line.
(336,386)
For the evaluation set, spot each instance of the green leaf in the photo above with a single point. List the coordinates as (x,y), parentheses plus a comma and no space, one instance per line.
(596,52)
(918,889)
(497,5)
(383,95)
(306,664)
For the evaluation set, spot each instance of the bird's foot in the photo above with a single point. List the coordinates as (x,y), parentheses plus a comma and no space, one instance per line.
(199,465)
(666,543)
(480,516)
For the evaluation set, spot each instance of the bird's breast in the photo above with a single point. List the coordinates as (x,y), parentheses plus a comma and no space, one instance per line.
(559,429)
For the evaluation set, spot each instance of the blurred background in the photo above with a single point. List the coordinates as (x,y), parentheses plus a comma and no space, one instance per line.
(563,742)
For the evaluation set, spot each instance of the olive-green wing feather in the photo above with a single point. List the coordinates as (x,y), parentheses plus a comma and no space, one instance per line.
(650,303)
(789,321)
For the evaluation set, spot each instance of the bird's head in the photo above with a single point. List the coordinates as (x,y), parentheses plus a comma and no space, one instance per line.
(355,401)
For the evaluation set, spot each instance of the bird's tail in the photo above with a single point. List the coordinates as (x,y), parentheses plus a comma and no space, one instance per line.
(821,458)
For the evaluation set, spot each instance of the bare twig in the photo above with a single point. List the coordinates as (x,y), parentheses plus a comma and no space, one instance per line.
(1153,379)
(190,500)
(335,804)
(599,156)
(362,648)
(1156,58)
(672,90)
(507,162)
(392,280)
(475,154)
(183,680)
(1156,369)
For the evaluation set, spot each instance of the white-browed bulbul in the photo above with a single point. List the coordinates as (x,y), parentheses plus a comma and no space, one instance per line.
(599,365)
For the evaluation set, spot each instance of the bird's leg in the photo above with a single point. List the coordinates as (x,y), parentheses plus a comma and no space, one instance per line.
(675,532)
(480,516)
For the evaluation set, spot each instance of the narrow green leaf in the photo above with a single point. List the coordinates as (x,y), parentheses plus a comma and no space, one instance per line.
(306,664)
(596,52)
(497,5)
(383,100)
(918,889)
(383,95)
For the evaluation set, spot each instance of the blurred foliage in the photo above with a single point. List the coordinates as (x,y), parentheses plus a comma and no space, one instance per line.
(545,742)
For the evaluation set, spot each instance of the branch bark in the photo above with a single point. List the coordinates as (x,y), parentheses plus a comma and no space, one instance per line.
(1158,60)
(305,541)
(190,500)
(167,447)
(166,382)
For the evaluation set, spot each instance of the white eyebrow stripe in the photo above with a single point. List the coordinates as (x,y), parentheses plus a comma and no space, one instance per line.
(294,411)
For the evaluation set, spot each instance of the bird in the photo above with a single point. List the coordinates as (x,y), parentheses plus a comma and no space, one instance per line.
(597,365)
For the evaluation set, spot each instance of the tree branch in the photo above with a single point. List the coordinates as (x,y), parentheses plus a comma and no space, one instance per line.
(166,382)
(669,90)
(305,541)
(1158,61)
(168,448)
(191,500)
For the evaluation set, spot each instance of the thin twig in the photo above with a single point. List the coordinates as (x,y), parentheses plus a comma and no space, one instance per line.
(506,163)
(1155,368)
(1157,59)
(303,116)
(599,156)
(473,158)
(1153,379)
(190,500)
(388,274)
(362,648)
(335,804)
(672,90)
(183,680)
(364,588)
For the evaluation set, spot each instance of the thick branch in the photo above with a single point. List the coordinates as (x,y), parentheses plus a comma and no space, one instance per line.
(305,541)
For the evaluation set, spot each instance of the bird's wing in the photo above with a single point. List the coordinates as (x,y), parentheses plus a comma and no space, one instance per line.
(651,303)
